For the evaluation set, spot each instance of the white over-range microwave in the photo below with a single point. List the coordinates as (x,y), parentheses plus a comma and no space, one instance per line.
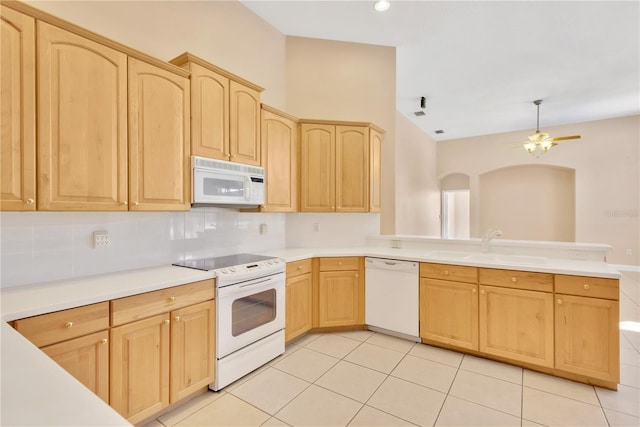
(226,184)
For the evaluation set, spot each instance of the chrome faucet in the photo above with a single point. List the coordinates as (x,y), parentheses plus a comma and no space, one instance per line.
(487,236)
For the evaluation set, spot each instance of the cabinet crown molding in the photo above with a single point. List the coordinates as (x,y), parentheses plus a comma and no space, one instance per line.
(189,57)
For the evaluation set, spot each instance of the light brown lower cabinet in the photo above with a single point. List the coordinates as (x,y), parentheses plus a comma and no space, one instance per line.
(517,324)
(587,336)
(160,360)
(299,299)
(87,359)
(449,312)
(341,292)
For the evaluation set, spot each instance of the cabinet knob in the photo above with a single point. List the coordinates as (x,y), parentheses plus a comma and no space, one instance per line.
(177,318)
(68,325)
(172,299)
(299,267)
(514,279)
(356,274)
(473,291)
(559,301)
(135,203)
(482,292)
(340,263)
(30,201)
(104,341)
(167,321)
(446,272)
(233,156)
(124,203)
(586,287)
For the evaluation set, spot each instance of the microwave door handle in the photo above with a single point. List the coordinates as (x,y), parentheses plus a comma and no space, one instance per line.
(247,188)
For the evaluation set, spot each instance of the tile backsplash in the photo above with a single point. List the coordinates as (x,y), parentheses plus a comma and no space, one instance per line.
(44,246)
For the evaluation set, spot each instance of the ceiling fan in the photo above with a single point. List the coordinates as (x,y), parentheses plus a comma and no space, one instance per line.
(540,142)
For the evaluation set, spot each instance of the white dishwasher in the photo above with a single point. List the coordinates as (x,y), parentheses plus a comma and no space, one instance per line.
(391,296)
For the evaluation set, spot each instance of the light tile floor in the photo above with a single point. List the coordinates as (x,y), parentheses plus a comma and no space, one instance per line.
(362,378)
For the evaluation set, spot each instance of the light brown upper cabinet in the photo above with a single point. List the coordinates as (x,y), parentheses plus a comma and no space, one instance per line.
(82,123)
(18,109)
(225,112)
(159,151)
(338,172)
(280,158)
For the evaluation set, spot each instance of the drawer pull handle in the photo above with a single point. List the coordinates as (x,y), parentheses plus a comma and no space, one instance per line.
(177,318)
(514,280)
(586,287)
(446,272)
(104,341)
(172,299)
(299,267)
(340,263)
(68,325)
(559,301)
(167,321)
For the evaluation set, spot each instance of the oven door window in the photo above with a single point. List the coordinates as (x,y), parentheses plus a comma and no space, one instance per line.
(253,311)
(223,187)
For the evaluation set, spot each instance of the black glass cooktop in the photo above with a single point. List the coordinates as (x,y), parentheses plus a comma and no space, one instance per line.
(207,264)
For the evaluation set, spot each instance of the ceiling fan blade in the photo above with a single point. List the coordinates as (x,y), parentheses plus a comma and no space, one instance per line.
(563,138)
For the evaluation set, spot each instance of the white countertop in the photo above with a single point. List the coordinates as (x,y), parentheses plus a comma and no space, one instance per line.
(36,391)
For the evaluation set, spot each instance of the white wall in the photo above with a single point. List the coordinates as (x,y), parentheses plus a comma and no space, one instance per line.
(607,176)
(325,230)
(417,188)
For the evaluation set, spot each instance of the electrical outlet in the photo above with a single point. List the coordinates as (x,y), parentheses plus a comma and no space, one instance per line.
(396,244)
(316,226)
(579,255)
(263,229)
(101,239)
(628,252)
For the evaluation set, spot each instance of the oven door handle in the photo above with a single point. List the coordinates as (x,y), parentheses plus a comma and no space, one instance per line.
(243,288)
(246,285)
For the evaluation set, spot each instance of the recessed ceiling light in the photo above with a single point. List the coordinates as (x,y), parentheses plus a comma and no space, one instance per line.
(382,5)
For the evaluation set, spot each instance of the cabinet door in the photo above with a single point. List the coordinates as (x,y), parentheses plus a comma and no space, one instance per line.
(299,310)
(18,111)
(87,359)
(159,144)
(449,312)
(209,113)
(279,158)
(352,169)
(375,162)
(192,348)
(140,367)
(587,337)
(244,124)
(340,298)
(517,324)
(317,168)
(82,123)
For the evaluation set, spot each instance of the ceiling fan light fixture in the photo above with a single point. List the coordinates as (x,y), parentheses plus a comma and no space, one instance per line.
(382,5)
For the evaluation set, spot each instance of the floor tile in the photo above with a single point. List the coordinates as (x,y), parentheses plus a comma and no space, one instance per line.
(319,407)
(629,357)
(630,375)
(618,419)
(271,390)
(183,411)
(488,391)
(306,364)
(354,381)
(458,412)
(375,357)
(226,411)
(305,339)
(441,355)
(274,422)
(333,345)
(372,417)
(426,373)
(527,423)
(626,399)
(356,335)
(392,343)
(560,386)
(240,381)
(153,423)
(288,351)
(553,410)
(409,401)
(492,368)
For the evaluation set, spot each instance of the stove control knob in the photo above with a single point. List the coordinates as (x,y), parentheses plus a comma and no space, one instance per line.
(270,262)
(233,270)
(224,271)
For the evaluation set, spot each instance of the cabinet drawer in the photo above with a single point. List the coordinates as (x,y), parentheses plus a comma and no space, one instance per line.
(517,279)
(456,273)
(339,263)
(63,325)
(595,287)
(128,309)
(297,268)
